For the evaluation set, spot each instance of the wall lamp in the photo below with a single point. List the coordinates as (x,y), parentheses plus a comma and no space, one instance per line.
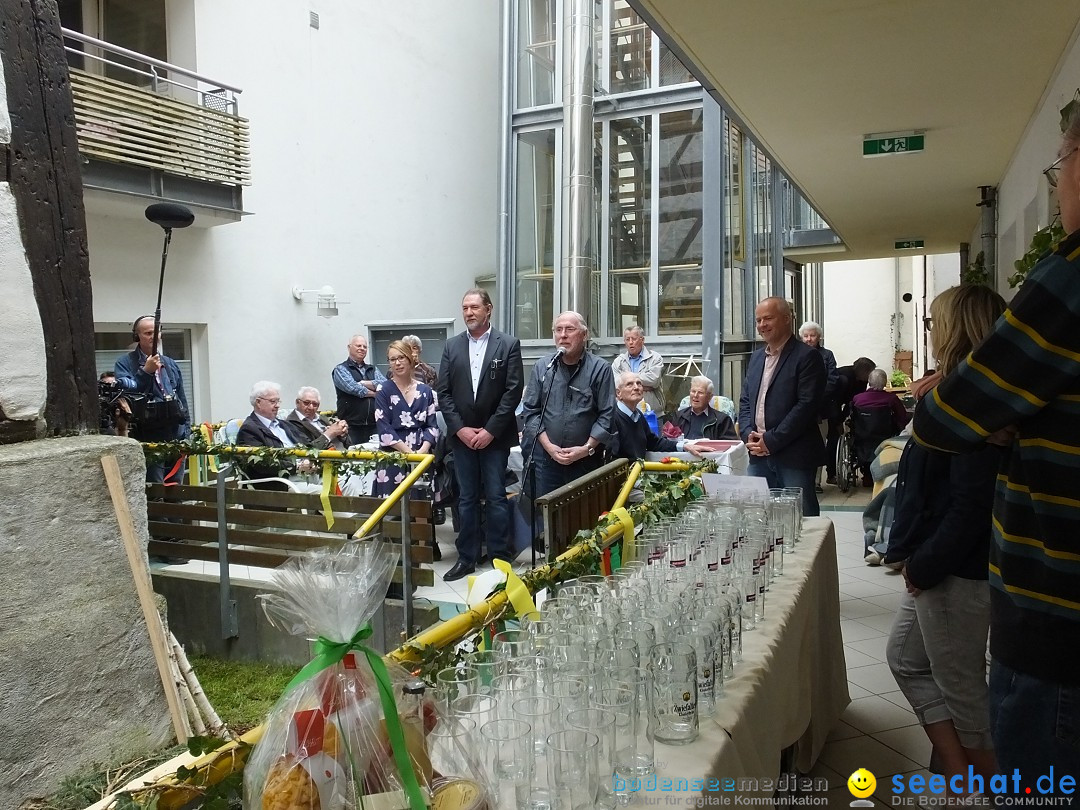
(325,300)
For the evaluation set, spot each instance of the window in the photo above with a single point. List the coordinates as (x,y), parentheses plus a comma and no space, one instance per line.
(630,222)
(534,234)
(679,222)
(535,53)
(432,336)
(735,322)
(630,50)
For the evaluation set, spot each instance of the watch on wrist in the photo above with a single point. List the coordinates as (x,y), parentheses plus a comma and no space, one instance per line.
(592,448)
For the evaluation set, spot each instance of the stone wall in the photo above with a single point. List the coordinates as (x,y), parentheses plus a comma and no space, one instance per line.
(78,682)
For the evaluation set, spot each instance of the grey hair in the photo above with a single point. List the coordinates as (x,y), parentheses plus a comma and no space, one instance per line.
(1071,130)
(810,326)
(582,323)
(305,389)
(703,380)
(635,330)
(414,341)
(261,389)
(877,379)
(620,378)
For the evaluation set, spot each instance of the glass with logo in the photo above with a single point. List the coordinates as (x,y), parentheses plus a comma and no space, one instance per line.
(673,698)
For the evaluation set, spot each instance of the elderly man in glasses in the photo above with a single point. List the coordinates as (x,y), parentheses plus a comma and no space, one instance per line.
(307,423)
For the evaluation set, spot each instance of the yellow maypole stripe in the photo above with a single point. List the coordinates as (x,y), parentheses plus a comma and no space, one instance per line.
(520,598)
(329,478)
(627,526)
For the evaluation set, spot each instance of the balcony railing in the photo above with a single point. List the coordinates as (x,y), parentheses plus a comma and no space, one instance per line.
(163,118)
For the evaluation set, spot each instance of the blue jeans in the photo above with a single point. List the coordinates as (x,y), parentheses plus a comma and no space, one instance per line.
(481,473)
(1035,724)
(777,475)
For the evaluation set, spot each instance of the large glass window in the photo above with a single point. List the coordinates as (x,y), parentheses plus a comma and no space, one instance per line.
(672,70)
(630,231)
(762,202)
(735,325)
(629,50)
(176,343)
(138,25)
(536,53)
(534,239)
(679,223)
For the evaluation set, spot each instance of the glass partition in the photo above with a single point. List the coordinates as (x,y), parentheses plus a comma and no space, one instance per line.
(679,223)
(630,225)
(762,202)
(629,50)
(536,23)
(534,239)
(735,325)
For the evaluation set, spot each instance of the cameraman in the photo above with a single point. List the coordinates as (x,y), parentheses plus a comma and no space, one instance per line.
(161,412)
(115,410)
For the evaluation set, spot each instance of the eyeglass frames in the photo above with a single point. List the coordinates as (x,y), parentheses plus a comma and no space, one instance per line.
(1054,169)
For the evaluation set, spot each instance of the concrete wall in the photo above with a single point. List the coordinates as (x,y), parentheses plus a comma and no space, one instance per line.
(374,158)
(1025,203)
(78,682)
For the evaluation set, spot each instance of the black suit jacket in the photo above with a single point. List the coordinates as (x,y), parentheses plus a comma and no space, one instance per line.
(253,433)
(312,436)
(497,393)
(792,404)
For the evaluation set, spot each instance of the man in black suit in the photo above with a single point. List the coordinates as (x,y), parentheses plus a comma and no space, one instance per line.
(262,428)
(779,406)
(306,422)
(633,439)
(480,383)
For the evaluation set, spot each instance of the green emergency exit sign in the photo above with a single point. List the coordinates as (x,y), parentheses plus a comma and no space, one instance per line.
(908,244)
(900,143)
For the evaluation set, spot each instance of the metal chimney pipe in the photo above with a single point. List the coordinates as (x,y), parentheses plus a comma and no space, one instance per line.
(578,206)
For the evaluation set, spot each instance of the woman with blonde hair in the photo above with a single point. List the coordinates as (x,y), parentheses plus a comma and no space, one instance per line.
(941,536)
(404,415)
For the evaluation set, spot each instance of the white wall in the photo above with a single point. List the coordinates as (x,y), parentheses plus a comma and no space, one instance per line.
(374,160)
(1024,202)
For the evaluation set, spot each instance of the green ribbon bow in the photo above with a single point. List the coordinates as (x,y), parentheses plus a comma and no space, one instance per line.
(328,653)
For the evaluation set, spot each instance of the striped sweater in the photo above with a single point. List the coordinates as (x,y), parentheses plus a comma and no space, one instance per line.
(1027,374)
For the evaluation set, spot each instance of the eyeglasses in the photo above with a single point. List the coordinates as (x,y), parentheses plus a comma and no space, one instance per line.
(928,323)
(1054,169)
(271,400)
(314,403)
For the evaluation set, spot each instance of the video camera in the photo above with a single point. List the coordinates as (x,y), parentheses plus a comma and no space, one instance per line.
(111,405)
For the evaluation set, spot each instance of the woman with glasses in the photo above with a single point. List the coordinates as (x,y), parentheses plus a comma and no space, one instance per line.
(404,416)
(941,537)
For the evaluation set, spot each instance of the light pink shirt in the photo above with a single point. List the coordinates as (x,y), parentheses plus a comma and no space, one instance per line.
(771,360)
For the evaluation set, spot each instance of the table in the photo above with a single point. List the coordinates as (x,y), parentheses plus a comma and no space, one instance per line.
(733,461)
(789,690)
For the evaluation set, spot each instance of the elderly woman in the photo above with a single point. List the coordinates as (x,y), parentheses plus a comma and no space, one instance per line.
(404,415)
(877,415)
(699,420)
(421,370)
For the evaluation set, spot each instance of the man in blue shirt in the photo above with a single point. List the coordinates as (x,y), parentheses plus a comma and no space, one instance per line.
(355,381)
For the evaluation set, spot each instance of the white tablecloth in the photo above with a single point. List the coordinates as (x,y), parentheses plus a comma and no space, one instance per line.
(733,461)
(789,689)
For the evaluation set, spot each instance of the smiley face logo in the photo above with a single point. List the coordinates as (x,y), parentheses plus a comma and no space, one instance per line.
(861,783)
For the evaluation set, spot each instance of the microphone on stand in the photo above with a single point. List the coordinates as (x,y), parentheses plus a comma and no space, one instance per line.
(558,353)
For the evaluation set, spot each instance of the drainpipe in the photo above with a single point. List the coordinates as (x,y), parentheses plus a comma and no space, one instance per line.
(504,278)
(988,230)
(579,252)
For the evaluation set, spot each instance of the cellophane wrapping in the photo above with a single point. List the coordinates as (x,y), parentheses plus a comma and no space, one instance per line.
(326,744)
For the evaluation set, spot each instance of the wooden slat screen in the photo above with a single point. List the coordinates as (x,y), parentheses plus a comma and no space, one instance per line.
(125,124)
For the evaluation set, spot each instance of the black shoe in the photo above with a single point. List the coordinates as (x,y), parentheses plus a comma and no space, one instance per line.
(459,571)
(482,559)
(438,516)
(168,560)
(436,552)
(831,480)
(818,489)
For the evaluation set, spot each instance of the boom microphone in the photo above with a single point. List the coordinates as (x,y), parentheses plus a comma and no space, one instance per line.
(170,215)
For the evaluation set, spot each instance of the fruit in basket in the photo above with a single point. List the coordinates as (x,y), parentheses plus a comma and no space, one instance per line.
(290,787)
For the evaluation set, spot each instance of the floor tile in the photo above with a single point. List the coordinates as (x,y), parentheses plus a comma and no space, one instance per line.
(872,648)
(911,741)
(877,678)
(856,659)
(860,608)
(873,714)
(847,756)
(897,697)
(842,731)
(871,591)
(851,630)
(889,601)
(832,779)
(841,797)
(856,692)
(882,622)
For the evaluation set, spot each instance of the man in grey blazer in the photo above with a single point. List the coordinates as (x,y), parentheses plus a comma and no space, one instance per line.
(480,384)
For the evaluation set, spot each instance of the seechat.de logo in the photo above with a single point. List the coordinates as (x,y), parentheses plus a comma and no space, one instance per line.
(861,784)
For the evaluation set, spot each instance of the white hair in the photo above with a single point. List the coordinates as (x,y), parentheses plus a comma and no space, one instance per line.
(582,324)
(307,389)
(634,329)
(620,378)
(261,389)
(414,341)
(810,326)
(702,380)
(877,379)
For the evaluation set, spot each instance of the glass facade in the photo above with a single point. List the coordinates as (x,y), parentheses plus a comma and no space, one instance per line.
(655,178)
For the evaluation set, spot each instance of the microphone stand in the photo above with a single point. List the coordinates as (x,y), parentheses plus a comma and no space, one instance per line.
(161,284)
(530,465)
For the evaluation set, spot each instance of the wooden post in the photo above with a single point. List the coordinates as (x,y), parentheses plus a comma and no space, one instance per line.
(42,165)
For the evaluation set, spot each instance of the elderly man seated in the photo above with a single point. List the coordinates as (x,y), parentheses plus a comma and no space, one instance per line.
(699,420)
(262,428)
(876,415)
(632,435)
(306,422)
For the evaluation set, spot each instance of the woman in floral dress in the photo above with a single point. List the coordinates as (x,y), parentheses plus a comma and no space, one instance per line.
(404,416)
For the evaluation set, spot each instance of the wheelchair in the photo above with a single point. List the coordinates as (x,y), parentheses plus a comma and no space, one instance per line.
(861,433)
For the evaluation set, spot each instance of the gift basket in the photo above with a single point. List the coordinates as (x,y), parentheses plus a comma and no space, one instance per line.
(351,730)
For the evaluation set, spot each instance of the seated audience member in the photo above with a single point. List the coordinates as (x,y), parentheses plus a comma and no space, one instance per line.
(632,435)
(262,428)
(699,420)
(422,372)
(875,396)
(876,415)
(306,422)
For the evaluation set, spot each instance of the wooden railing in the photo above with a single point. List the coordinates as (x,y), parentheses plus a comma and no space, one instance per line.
(574,507)
(121,123)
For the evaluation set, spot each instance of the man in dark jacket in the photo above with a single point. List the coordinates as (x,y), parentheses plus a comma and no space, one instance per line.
(632,435)
(699,420)
(779,406)
(355,381)
(850,380)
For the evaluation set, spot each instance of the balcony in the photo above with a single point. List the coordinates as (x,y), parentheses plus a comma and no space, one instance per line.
(150,131)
